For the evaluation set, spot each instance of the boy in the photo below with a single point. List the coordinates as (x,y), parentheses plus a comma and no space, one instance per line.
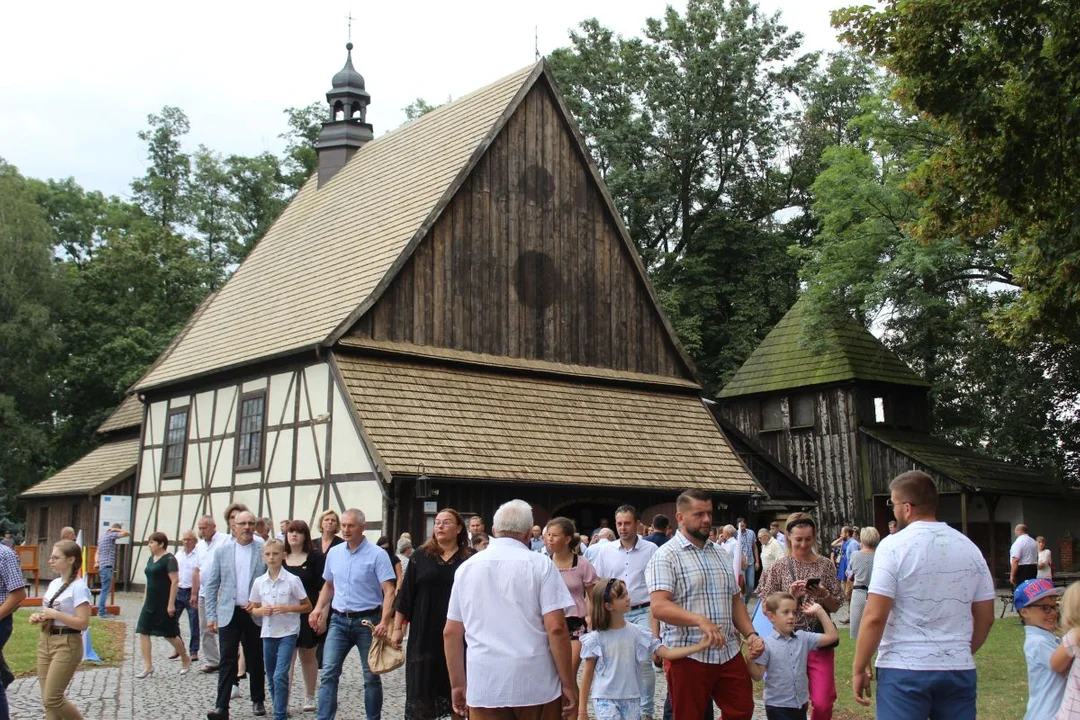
(784,657)
(1036,601)
(278,597)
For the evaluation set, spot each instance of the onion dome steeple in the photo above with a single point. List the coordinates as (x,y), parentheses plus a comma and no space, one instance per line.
(347,130)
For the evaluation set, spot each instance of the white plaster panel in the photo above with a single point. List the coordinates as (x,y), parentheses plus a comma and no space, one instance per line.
(168,516)
(144,518)
(193,465)
(204,411)
(279,458)
(348,454)
(221,463)
(249,498)
(171,485)
(148,471)
(138,565)
(277,506)
(310,452)
(313,402)
(179,402)
(256,384)
(307,504)
(218,501)
(225,417)
(190,512)
(361,494)
(249,477)
(156,426)
(280,399)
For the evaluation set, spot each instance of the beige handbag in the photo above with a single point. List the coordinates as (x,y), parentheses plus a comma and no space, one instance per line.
(383,656)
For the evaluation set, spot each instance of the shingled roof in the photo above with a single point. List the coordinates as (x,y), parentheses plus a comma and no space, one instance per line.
(785,360)
(328,252)
(128,414)
(93,472)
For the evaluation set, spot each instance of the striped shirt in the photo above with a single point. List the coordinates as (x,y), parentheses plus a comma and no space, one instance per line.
(702,581)
(11,577)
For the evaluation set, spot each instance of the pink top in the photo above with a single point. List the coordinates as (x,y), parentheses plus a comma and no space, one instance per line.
(1070,704)
(579,576)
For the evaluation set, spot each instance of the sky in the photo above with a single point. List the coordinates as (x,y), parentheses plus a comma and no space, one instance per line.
(79,79)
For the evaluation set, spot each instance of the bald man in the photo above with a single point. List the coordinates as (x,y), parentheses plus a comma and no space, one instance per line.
(1023,557)
(68,533)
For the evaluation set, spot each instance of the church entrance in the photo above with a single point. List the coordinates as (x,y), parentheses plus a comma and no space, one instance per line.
(587,514)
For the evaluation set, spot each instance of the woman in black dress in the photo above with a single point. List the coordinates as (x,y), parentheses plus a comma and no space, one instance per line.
(158,615)
(422,602)
(305,562)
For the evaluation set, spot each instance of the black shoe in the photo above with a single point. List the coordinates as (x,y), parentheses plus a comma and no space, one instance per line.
(218,714)
(208,669)
(6,676)
(258,708)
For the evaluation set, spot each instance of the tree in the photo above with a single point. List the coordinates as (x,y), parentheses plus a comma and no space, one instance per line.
(162,192)
(418,107)
(301,160)
(258,197)
(211,206)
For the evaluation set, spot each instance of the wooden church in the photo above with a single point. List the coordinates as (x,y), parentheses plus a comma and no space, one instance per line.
(449,315)
(847,415)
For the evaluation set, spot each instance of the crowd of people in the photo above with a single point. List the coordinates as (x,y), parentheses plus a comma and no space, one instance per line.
(543,622)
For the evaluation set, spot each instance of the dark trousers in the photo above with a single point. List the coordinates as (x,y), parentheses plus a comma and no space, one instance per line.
(183,602)
(241,630)
(5,633)
(1026,572)
(785,713)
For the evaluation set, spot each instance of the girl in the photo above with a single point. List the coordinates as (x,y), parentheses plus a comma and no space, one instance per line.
(158,615)
(613,653)
(1065,655)
(306,563)
(65,613)
(578,573)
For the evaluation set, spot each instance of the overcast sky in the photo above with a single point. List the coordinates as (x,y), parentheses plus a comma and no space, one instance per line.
(79,79)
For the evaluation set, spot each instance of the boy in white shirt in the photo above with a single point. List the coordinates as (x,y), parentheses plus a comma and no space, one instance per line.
(279,598)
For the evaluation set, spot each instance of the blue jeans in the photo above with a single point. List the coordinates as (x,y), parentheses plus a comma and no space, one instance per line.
(5,634)
(641,618)
(748,578)
(922,694)
(183,602)
(342,636)
(277,659)
(105,576)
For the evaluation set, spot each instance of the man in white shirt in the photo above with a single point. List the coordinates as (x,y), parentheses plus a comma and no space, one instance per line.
(187,591)
(508,605)
(1023,556)
(210,540)
(930,606)
(627,560)
(603,537)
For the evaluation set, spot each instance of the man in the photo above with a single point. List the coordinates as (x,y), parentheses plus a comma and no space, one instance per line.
(603,537)
(209,542)
(661,530)
(262,528)
(283,527)
(105,562)
(892,527)
(476,525)
(774,530)
(771,550)
(1024,557)
(360,585)
(187,591)
(404,553)
(519,660)
(929,606)
(627,560)
(536,540)
(228,612)
(695,596)
(751,560)
(12,593)
(68,533)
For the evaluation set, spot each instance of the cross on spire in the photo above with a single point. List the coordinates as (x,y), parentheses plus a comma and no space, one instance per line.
(349,18)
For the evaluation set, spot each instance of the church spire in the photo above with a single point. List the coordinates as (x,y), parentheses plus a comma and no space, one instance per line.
(347,130)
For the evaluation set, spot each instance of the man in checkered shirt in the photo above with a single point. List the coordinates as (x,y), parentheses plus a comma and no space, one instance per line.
(105,560)
(12,593)
(695,596)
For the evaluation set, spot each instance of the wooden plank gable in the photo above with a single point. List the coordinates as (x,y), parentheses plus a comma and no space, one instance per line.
(527,260)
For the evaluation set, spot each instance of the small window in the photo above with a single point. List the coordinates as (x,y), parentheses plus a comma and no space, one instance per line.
(175,443)
(879,410)
(249,432)
(802,410)
(772,414)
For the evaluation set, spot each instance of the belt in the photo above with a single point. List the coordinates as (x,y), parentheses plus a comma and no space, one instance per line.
(64,631)
(105,567)
(860,587)
(639,606)
(359,613)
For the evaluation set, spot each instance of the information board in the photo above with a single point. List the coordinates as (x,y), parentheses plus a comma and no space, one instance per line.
(115,509)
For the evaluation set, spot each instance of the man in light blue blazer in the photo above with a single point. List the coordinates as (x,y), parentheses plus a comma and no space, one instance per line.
(228,612)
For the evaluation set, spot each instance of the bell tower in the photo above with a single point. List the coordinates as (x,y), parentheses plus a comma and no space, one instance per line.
(347,130)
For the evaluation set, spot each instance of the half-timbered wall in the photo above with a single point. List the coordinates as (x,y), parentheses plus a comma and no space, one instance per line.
(312,457)
(526,261)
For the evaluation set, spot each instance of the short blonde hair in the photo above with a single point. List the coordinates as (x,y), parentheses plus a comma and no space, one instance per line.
(772,603)
(323,516)
(273,543)
(870,537)
(1070,607)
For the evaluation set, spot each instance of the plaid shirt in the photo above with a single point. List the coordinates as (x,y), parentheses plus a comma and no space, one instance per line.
(746,541)
(702,581)
(11,577)
(106,549)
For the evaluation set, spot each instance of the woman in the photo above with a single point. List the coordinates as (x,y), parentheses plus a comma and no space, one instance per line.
(305,562)
(806,574)
(860,568)
(560,536)
(1046,569)
(395,561)
(64,614)
(423,602)
(158,615)
(329,524)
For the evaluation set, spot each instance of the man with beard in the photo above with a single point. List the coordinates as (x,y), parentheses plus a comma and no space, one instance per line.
(695,596)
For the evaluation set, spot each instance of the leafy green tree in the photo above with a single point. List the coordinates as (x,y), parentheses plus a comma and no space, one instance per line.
(301,160)
(211,206)
(418,107)
(162,192)
(258,197)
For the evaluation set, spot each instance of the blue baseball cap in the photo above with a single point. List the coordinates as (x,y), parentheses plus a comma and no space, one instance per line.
(1029,591)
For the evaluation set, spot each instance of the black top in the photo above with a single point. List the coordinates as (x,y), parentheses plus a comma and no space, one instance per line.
(336,541)
(310,574)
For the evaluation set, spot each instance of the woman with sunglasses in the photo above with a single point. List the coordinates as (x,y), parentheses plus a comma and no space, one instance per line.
(808,576)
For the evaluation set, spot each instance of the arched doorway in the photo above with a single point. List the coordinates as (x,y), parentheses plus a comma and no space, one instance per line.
(587,513)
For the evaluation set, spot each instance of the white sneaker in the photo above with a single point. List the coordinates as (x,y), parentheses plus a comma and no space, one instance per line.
(309,704)
(235,692)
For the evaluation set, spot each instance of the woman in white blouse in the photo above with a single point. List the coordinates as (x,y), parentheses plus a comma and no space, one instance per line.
(65,613)
(1045,571)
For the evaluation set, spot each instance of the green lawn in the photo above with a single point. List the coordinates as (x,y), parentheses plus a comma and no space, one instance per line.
(108,638)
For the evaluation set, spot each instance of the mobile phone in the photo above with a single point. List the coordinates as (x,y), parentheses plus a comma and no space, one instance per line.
(813,583)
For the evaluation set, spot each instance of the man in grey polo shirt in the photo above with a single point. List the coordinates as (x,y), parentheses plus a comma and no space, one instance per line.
(360,583)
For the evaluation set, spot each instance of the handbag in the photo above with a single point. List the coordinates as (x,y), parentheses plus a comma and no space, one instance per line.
(383,656)
(817,626)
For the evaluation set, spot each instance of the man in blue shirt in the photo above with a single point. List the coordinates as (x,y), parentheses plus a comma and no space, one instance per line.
(1037,602)
(360,586)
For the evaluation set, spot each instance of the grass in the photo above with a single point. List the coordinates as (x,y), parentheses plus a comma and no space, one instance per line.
(108,637)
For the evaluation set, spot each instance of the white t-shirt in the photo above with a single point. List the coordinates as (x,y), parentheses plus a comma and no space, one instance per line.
(286,590)
(933,574)
(206,552)
(1044,557)
(74,595)
(186,563)
(242,558)
(1025,550)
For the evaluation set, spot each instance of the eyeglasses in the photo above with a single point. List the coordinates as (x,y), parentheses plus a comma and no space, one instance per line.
(445,523)
(892,504)
(1047,609)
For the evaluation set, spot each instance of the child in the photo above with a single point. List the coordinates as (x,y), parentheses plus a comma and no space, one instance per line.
(278,597)
(784,657)
(613,653)
(1036,601)
(1062,658)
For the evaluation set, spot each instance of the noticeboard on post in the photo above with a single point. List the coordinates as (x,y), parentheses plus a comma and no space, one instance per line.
(115,509)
